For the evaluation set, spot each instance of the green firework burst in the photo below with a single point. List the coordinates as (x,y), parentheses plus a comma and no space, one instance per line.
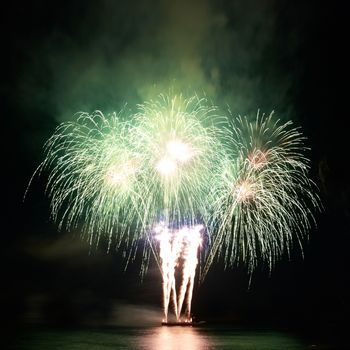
(264,198)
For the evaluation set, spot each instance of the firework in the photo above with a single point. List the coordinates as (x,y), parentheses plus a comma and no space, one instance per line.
(175,160)
(178,250)
(262,201)
(117,175)
(93,177)
(177,139)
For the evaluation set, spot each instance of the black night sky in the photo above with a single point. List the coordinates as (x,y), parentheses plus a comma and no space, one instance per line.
(62,57)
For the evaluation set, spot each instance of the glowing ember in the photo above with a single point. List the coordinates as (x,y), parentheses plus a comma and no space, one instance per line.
(245,192)
(258,159)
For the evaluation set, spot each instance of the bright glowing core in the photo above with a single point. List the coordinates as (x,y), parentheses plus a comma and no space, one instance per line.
(245,192)
(179,150)
(176,153)
(166,166)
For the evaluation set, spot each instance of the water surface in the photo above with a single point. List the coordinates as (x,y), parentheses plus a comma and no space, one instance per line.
(162,338)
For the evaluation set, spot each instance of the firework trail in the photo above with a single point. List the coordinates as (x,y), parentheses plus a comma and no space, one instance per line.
(169,251)
(192,241)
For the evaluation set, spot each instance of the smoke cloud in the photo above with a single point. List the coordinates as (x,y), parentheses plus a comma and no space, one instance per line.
(101,55)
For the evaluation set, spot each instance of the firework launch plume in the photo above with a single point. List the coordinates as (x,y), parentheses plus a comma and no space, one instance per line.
(178,250)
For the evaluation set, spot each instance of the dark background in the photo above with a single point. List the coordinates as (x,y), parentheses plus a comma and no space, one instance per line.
(62,57)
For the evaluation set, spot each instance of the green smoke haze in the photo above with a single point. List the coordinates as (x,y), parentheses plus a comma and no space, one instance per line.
(101,55)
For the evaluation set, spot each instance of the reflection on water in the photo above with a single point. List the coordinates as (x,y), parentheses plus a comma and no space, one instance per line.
(158,338)
(176,338)
(173,338)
